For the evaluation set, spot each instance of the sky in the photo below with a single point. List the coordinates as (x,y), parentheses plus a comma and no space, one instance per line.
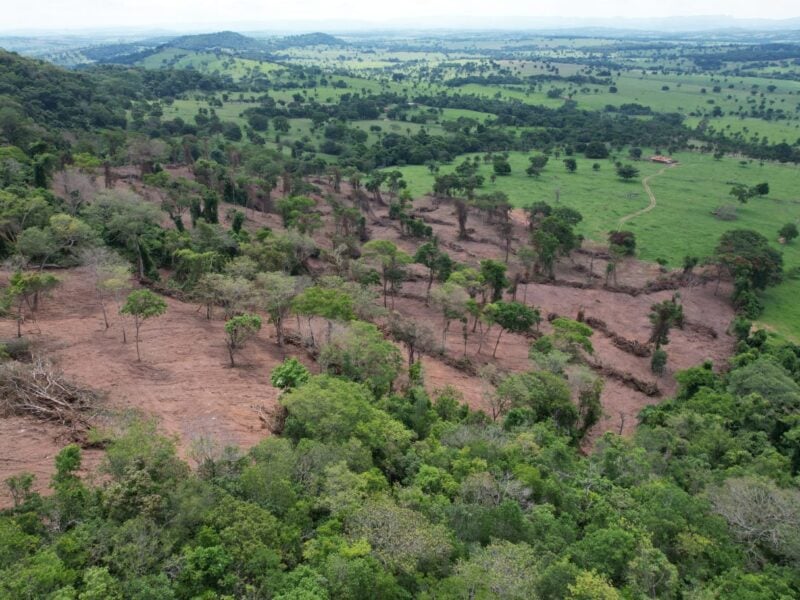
(213,14)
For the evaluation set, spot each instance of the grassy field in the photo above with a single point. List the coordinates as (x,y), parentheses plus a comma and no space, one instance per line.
(681,223)
(206,62)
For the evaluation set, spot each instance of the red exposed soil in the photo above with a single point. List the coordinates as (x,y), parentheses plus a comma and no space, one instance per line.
(185,381)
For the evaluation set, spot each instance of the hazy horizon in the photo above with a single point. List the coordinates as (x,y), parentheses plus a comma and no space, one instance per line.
(75,16)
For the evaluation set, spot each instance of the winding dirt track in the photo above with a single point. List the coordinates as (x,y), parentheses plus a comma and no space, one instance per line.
(650,194)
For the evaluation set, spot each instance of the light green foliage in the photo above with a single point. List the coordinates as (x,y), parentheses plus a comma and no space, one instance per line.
(289,374)
(239,330)
(328,303)
(275,293)
(359,352)
(332,410)
(500,570)
(142,305)
(402,539)
(391,260)
(589,585)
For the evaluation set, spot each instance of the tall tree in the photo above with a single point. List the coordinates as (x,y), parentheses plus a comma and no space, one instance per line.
(142,305)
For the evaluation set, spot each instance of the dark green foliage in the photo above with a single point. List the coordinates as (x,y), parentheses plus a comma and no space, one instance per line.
(788,232)
(627,172)
(625,241)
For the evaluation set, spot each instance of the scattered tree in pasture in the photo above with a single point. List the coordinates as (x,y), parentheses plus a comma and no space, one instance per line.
(238,331)
(571,165)
(788,232)
(627,172)
(501,166)
(537,165)
(142,305)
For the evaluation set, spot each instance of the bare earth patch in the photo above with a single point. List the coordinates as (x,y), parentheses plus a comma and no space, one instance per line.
(185,382)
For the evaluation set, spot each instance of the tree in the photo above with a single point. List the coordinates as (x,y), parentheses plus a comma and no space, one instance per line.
(452,300)
(238,331)
(126,221)
(763,517)
(514,317)
(539,396)
(329,303)
(415,336)
(274,293)
(438,262)
(663,316)
(545,246)
(625,241)
(742,193)
(748,257)
(500,570)
(142,305)
(788,232)
(494,277)
(392,260)
(25,289)
(401,539)
(146,152)
(537,165)
(501,166)
(571,165)
(589,585)
(111,276)
(63,238)
(289,374)
(359,352)
(627,172)
(296,211)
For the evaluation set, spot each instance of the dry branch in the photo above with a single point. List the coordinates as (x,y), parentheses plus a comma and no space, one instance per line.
(39,390)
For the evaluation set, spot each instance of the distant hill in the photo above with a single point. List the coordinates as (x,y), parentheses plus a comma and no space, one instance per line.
(307,39)
(223,40)
(227,42)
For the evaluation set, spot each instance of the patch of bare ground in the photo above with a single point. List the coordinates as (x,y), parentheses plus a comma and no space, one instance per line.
(184,378)
(185,381)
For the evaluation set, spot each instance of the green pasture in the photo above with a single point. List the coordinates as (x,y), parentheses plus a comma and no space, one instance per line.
(682,222)
(207,62)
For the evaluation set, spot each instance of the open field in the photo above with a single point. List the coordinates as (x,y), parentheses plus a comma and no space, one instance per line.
(682,222)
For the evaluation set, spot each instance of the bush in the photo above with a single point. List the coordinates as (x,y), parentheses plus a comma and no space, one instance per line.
(658,362)
(289,374)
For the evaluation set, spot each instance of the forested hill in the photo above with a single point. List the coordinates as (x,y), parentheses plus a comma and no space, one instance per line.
(223,40)
(309,39)
(32,91)
(37,97)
